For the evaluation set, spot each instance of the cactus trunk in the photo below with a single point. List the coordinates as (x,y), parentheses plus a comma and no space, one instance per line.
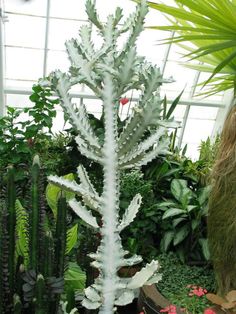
(111,243)
(34,241)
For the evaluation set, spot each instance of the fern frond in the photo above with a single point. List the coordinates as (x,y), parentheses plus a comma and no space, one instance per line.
(71,238)
(22,232)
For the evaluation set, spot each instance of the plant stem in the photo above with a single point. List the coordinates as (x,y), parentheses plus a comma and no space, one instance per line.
(111,244)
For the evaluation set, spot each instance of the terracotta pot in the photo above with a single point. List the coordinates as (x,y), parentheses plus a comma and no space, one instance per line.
(151,301)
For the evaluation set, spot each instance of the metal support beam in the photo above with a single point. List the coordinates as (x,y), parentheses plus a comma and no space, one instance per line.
(186,114)
(3,19)
(45,58)
(228,100)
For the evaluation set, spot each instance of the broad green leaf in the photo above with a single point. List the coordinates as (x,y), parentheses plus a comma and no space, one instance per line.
(52,194)
(72,236)
(167,239)
(181,234)
(204,195)
(205,249)
(178,220)
(194,224)
(173,212)
(191,207)
(181,191)
(166,204)
(74,277)
(173,105)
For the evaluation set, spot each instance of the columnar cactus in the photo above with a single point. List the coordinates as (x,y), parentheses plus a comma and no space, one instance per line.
(110,74)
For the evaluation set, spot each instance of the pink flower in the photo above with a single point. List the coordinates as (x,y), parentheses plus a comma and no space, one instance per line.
(124,101)
(198,291)
(209,311)
(169,309)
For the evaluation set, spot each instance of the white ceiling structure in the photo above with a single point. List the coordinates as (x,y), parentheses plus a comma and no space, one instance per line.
(32,36)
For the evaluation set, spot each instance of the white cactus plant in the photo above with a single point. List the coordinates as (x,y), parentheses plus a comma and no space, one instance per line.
(110,74)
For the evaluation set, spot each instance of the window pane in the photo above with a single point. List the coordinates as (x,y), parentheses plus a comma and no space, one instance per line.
(203,113)
(147,46)
(37,7)
(61,30)
(183,78)
(68,9)
(24,64)
(20,84)
(197,130)
(19,101)
(30,31)
(57,60)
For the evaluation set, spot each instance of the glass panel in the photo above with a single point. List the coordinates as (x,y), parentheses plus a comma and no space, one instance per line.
(19,101)
(179,112)
(30,31)
(37,7)
(59,122)
(192,150)
(203,113)
(197,130)
(68,9)
(147,46)
(183,77)
(61,30)
(24,64)
(105,8)
(57,60)
(19,84)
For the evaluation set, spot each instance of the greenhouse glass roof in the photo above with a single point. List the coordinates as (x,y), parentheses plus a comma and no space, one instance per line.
(33,33)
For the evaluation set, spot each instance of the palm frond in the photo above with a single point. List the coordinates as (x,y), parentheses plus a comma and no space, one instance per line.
(210,25)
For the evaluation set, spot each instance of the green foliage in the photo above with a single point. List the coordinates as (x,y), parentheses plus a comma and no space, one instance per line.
(22,236)
(32,265)
(142,235)
(176,277)
(210,27)
(184,221)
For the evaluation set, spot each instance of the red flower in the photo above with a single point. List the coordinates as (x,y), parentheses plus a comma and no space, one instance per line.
(124,101)
(209,311)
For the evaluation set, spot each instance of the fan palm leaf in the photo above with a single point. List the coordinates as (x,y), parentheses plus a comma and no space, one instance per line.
(210,25)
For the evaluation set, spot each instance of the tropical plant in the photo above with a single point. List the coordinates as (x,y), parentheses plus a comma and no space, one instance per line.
(110,74)
(32,253)
(144,233)
(184,221)
(21,140)
(210,27)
